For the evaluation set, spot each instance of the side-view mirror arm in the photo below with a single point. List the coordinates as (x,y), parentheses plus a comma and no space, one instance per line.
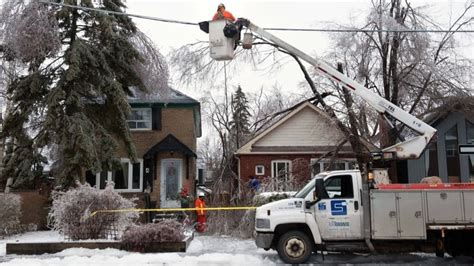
(309,204)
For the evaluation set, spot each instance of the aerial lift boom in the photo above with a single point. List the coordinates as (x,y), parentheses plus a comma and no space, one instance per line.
(408,149)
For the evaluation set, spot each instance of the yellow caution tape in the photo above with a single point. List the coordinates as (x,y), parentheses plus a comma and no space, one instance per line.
(175,210)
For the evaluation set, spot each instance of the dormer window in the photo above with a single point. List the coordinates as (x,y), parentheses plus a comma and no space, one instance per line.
(140,119)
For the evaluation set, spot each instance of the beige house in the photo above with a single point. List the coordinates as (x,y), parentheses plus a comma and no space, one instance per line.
(292,146)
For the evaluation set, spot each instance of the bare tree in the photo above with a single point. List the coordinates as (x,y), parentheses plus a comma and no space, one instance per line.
(414,70)
(410,69)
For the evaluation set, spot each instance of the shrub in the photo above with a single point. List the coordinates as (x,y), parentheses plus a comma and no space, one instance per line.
(10,212)
(239,223)
(165,231)
(71,210)
(247,223)
(267,197)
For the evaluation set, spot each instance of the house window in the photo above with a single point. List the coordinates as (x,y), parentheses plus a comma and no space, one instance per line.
(259,170)
(281,170)
(129,178)
(452,156)
(469,132)
(322,165)
(201,180)
(470,140)
(140,119)
(431,159)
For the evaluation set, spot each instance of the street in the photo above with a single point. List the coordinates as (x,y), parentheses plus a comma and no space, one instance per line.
(203,250)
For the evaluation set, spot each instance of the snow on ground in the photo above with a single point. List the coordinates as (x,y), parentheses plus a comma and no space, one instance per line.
(203,250)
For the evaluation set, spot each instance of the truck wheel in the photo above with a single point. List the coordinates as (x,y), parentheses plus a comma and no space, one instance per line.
(294,247)
(439,251)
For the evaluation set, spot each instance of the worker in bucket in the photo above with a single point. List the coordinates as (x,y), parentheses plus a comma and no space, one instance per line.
(223,14)
(199,204)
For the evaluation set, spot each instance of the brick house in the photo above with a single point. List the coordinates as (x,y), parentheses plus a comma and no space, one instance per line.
(164,131)
(293,145)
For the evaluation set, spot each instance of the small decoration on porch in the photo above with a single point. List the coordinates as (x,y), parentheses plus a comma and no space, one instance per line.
(184,197)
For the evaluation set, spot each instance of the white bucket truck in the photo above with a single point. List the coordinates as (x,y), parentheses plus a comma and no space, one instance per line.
(327,214)
(337,210)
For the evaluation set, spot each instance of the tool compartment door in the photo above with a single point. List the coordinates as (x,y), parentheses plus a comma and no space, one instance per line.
(468,197)
(383,214)
(411,215)
(444,207)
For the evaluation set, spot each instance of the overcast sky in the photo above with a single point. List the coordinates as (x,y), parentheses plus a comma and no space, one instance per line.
(292,14)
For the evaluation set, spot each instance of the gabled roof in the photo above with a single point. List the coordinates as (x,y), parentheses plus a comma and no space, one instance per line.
(247,148)
(166,96)
(250,148)
(454,104)
(168,144)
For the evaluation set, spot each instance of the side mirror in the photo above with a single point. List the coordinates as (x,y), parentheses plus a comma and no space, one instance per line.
(320,190)
(316,199)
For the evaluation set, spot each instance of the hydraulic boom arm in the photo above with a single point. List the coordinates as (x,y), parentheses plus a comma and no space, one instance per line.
(409,149)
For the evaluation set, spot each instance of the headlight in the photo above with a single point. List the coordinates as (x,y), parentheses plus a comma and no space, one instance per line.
(263,223)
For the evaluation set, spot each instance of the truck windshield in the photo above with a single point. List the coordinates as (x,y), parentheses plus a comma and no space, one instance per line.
(306,189)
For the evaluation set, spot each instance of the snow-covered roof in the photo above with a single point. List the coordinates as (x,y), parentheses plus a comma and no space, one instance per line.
(297,133)
(165,96)
(458,104)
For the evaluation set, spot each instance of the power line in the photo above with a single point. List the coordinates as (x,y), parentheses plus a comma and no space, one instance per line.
(362,30)
(119,13)
(270,29)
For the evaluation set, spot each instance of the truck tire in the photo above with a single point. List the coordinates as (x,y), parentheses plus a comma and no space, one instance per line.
(439,249)
(294,247)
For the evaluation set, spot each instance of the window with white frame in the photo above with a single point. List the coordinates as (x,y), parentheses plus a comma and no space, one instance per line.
(129,178)
(281,169)
(320,166)
(140,119)
(259,169)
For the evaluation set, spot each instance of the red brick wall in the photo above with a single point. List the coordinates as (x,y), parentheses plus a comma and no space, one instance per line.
(300,164)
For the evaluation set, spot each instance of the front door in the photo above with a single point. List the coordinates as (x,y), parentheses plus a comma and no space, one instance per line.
(339,216)
(171,174)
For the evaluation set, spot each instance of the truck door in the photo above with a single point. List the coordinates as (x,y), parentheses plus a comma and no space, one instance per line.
(339,216)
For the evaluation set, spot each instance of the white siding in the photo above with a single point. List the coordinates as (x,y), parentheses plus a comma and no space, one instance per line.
(306,128)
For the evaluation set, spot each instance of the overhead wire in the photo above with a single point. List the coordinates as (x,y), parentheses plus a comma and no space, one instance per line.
(119,13)
(269,28)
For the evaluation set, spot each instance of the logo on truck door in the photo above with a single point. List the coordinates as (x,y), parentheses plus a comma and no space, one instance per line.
(322,206)
(338,207)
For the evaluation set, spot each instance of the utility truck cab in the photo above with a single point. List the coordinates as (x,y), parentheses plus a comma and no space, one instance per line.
(331,212)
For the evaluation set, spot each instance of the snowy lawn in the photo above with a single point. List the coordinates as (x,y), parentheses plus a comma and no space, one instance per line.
(203,250)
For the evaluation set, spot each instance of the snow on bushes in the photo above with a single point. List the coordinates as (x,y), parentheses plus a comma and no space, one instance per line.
(267,197)
(165,231)
(10,212)
(247,223)
(71,210)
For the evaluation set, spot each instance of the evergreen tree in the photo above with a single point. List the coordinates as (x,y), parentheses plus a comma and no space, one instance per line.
(240,117)
(70,100)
